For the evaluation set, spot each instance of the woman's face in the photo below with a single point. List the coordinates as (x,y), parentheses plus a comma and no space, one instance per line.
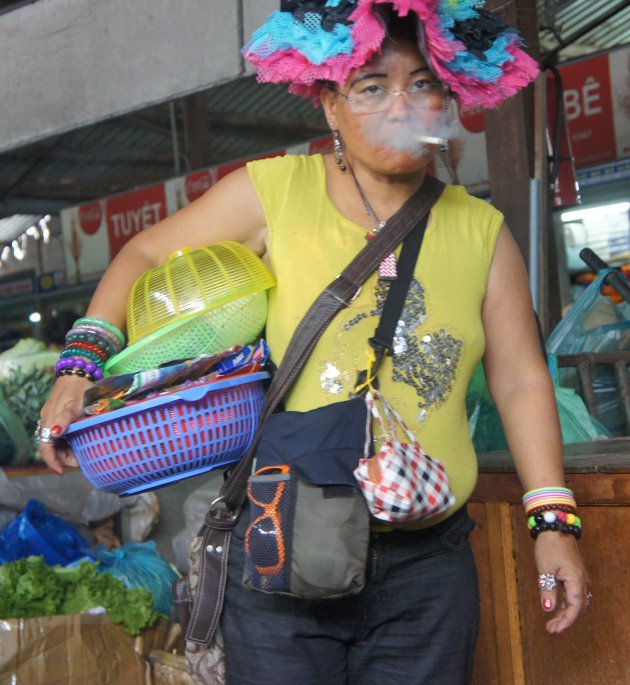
(386,108)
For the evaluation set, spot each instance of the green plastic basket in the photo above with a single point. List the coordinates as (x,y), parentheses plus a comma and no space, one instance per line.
(238,322)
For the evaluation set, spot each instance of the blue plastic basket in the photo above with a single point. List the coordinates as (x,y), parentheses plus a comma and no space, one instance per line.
(174,436)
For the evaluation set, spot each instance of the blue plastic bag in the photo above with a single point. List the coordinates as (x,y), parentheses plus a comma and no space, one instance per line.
(594,324)
(580,331)
(35,532)
(137,564)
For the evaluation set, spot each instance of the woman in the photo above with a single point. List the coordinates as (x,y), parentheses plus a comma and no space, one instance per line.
(416,621)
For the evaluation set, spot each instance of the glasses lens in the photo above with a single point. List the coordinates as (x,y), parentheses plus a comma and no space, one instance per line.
(418,96)
(265,543)
(426,95)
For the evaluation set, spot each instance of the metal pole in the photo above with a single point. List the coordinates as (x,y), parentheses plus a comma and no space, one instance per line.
(534,242)
(176,160)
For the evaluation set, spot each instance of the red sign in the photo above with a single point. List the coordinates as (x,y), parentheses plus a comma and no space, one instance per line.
(472,120)
(589,110)
(196,184)
(131,213)
(90,217)
(321,145)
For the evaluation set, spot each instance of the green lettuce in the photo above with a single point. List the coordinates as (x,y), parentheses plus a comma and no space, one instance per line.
(29,587)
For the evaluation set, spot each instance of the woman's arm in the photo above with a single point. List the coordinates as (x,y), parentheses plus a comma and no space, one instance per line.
(522,389)
(230,210)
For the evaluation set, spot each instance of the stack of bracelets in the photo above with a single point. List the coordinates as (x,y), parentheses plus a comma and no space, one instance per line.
(89,344)
(551,509)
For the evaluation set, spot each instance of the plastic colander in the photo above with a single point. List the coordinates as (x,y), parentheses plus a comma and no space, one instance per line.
(169,437)
(200,302)
(193,281)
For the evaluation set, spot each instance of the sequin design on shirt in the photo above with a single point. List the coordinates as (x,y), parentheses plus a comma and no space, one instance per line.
(426,362)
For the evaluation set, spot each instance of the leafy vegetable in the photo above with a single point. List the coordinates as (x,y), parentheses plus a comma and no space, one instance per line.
(28,587)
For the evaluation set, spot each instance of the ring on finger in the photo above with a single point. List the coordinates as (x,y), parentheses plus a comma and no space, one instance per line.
(547,581)
(47,440)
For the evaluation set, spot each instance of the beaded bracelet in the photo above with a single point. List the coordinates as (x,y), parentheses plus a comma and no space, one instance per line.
(99,336)
(74,365)
(74,338)
(88,347)
(551,520)
(95,376)
(70,353)
(100,323)
(552,507)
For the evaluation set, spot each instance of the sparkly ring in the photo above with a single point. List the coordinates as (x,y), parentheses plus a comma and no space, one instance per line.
(42,434)
(547,581)
(37,432)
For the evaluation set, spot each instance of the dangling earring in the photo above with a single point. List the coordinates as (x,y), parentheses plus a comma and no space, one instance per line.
(338,150)
(444,146)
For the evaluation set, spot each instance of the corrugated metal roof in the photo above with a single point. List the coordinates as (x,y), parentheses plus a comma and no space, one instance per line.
(14,226)
(586,26)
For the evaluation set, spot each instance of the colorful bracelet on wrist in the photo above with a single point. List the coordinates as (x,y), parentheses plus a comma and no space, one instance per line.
(78,366)
(551,508)
(97,375)
(100,339)
(101,323)
(552,520)
(72,352)
(80,347)
(549,497)
(89,344)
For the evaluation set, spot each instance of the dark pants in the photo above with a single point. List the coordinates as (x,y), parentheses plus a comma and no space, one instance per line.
(415,623)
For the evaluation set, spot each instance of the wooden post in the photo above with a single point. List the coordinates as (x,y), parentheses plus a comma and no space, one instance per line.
(518,157)
(196,131)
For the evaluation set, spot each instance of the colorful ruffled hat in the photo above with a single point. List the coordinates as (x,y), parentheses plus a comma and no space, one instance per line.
(310,41)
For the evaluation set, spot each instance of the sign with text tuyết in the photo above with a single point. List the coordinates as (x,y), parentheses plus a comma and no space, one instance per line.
(93,233)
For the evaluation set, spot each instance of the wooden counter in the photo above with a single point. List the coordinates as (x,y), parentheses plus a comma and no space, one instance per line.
(514,647)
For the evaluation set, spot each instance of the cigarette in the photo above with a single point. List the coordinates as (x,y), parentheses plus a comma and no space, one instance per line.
(432,140)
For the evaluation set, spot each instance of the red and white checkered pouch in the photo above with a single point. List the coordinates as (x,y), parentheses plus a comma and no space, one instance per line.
(401,482)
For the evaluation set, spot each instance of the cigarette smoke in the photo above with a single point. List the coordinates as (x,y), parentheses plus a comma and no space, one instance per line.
(412,133)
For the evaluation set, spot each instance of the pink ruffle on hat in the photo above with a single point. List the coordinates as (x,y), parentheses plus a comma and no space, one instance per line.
(472,51)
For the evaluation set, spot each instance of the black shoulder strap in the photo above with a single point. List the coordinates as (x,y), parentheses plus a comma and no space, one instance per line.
(383,338)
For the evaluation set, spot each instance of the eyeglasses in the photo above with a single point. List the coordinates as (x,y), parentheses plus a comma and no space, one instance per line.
(268,556)
(420,95)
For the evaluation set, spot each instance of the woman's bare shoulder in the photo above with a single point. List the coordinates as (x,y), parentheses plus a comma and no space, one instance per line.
(229,210)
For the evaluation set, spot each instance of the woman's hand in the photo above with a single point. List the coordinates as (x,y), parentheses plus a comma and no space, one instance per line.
(64,406)
(558,554)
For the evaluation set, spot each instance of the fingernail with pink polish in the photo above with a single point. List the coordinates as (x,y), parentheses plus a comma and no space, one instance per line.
(547,604)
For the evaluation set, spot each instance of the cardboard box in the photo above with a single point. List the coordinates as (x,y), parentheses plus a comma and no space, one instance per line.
(75,650)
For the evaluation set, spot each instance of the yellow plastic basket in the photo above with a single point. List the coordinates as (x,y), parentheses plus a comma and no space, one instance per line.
(191,282)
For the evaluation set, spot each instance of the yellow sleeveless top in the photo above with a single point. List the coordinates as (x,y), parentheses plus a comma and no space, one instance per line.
(439,339)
